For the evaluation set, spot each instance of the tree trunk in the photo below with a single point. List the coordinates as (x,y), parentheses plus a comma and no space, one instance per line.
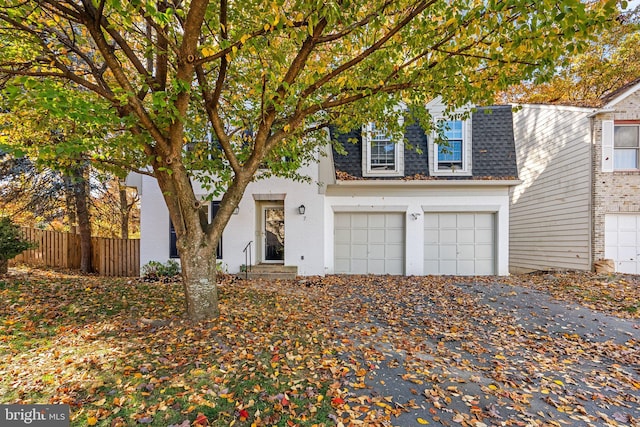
(199,280)
(4,266)
(124,212)
(82,211)
(70,203)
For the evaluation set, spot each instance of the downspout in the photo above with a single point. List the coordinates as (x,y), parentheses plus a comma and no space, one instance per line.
(592,171)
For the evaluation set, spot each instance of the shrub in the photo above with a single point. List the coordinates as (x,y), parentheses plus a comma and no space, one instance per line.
(11,242)
(155,270)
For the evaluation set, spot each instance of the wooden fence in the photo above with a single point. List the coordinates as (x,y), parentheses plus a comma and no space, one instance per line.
(109,257)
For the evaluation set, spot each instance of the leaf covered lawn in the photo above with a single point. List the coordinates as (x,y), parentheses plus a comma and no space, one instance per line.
(340,350)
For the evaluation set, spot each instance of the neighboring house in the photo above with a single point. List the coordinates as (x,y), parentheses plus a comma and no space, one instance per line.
(579,201)
(381,208)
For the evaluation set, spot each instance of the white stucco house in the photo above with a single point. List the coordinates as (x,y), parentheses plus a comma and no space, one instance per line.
(380,209)
(579,200)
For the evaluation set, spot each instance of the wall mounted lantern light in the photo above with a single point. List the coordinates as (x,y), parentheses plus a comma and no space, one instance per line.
(301,209)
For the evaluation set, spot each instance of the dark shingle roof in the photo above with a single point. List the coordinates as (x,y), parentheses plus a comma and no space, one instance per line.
(494,150)
(493,145)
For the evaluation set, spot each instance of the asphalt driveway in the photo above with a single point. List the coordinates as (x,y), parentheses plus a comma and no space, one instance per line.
(458,351)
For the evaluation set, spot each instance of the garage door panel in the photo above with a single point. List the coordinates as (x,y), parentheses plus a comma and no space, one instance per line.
(484,251)
(431,252)
(342,222)
(376,267)
(431,267)
(448,252)
(483,267)
(448,267)
(358,221)
(430,236)
(627,238)
(376,236)
(464,243)
(484,221)
(448,236)
(376,220)
(376,251)
(627,253)
(394,221)
(375,243)
(466,236)
(431,221)
(484,236)
(359,251)
(394,236)
(359,236)
(465,221)
(466,252)
(627,223)
(343,251)
(342,237)
(629,267)
(395,252)
(342,265)
(465,267)
(395,267)
(358,266)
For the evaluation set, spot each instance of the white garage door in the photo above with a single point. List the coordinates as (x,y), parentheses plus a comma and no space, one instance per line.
(369,243)
(622,242)
(459,243)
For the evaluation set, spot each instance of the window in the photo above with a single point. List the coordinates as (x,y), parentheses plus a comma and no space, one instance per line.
(450,154)
(382,156)
(173,248)
(626,147)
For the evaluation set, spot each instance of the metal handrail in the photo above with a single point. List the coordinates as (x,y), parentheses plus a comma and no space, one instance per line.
(247,265)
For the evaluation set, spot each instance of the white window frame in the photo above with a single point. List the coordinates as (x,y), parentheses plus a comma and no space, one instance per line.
(616,148)
(465,169)
(367,170)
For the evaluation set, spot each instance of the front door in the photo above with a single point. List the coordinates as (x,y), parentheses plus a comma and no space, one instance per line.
(273,234)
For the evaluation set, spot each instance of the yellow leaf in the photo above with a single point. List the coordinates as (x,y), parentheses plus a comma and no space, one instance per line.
(558,382)
(92,421)
(207,51)
(493,387)
(267,27)
(299,16)
(244,38)
(422,421)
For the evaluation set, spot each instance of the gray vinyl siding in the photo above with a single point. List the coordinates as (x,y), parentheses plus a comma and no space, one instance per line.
(549,221)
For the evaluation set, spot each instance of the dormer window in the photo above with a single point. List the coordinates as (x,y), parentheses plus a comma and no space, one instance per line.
(382,155)
(454,155)
(450,154)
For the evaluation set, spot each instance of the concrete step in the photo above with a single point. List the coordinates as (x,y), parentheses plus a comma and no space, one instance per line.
(270,272)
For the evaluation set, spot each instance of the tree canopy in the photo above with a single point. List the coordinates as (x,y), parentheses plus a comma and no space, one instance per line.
(244,83)
(608,62)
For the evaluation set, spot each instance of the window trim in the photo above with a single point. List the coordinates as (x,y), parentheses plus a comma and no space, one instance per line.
(626,123)
(367,140)
(465,164)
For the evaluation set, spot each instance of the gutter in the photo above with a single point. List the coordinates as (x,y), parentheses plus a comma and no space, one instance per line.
(427,183)
(600,111)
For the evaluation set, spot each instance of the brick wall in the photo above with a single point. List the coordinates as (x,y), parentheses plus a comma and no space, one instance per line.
(613,192)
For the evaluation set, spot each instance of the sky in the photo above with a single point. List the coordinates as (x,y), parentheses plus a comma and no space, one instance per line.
(633,3)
